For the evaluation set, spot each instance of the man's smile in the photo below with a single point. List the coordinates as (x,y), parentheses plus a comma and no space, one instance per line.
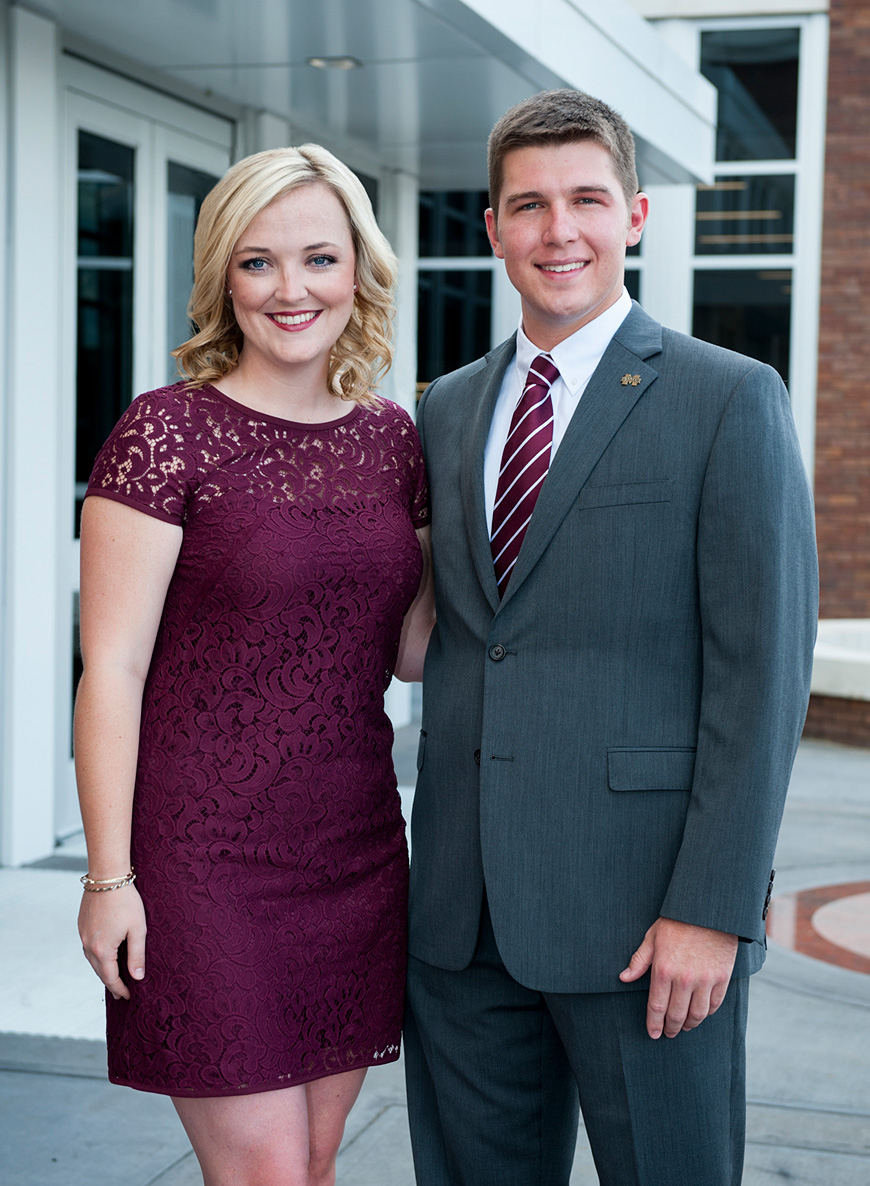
(559,268)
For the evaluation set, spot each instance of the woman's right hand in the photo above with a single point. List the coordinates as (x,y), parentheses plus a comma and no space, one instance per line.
(106,920)
(128,559)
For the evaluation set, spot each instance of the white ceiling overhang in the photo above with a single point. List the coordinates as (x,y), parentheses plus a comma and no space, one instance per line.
(434,75)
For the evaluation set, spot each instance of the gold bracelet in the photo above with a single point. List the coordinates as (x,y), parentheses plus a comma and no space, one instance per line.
(93,886)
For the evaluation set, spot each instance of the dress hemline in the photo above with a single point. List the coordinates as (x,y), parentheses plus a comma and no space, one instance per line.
(229,1092)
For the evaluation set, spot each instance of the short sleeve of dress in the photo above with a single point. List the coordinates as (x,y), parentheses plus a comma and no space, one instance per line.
(144,463)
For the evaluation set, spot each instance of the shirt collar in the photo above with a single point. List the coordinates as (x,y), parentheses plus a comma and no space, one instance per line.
(578,355)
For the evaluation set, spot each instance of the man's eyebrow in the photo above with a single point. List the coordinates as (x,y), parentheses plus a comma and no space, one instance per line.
(529,196)
(534,195)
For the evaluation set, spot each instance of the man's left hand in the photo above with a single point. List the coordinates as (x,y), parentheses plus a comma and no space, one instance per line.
(691,967)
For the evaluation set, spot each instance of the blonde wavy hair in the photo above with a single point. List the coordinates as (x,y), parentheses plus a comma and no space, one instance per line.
(363,353)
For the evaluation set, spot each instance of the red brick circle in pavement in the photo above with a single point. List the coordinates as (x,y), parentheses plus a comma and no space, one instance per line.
(790,923)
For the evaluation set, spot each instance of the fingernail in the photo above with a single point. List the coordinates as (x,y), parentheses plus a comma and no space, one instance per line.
(138,973)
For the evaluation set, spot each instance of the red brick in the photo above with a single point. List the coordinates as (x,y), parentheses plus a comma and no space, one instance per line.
(842,476)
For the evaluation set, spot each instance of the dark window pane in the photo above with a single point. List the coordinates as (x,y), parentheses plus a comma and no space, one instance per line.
(105,195)
(745,216)
(452,223)
(454,320)
(104,342)
(745,311)
(632,283)
(756,73)
(104,370)
(187,191)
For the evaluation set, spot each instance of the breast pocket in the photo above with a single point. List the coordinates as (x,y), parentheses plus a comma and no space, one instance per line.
(624,494)
(657,768)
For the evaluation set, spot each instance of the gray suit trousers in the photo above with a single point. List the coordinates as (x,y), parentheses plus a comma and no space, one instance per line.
(496,1071)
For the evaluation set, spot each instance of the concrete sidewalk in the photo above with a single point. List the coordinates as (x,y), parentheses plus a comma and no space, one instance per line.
(63,1124)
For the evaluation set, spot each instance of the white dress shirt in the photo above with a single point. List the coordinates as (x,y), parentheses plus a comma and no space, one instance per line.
(575,358)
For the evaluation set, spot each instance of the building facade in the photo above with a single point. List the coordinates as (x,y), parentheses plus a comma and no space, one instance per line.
(818,281)
(119,119)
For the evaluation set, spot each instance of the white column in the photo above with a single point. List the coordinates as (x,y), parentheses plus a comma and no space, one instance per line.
(809,207)
(5,402)
(668,239)
(667,280)
(268,131)
(399,219)
(30,663)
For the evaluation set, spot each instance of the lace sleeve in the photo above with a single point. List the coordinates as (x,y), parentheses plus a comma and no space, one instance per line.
(144,462)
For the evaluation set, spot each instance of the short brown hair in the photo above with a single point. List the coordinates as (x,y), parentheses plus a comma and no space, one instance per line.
(560,117)
(364,351)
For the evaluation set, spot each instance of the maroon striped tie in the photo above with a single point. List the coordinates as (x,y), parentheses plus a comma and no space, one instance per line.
(524,465)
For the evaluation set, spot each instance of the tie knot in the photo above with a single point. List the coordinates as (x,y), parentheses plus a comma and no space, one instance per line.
(543,372)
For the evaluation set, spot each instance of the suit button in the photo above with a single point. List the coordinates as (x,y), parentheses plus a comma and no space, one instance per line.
(768,895)
(497,652)
(477,756)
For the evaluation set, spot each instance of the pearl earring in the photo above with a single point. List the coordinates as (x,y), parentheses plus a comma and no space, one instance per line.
(355,287)
(229,292)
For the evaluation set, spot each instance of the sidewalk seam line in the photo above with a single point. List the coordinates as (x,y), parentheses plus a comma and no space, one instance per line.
(827,1150)
(169,1168)
(799,1107)
(353,1140)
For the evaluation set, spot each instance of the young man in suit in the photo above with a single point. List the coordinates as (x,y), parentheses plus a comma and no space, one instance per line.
(613,695)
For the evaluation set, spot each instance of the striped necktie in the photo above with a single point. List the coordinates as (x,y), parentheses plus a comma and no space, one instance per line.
(524,465)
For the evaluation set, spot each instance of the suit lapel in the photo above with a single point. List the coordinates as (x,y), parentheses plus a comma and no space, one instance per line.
(605,404)
(475,431)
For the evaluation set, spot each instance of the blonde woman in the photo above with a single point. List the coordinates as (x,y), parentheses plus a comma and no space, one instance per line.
(254,566)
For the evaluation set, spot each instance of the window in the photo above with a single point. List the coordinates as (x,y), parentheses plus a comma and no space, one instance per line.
(756,74)
(455,287)
(452,223)
(747,311)
(104,342)
(454,311)
(748,213)
(745,215)
(186,192)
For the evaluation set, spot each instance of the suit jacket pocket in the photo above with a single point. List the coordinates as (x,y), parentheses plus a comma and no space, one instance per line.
(660,768)
(624,493)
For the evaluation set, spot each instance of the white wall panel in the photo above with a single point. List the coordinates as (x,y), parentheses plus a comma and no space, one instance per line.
(30,669)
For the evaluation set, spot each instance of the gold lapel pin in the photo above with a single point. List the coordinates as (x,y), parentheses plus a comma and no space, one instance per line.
(632,379)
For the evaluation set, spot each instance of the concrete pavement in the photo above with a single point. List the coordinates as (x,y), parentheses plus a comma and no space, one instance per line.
(63,1124)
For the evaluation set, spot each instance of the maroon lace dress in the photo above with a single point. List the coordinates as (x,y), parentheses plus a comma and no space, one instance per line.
(268,839)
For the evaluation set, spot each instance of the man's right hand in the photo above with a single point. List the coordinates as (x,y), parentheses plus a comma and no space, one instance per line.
(691,969)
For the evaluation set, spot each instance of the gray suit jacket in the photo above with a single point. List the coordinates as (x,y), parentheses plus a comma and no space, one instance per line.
(613,741)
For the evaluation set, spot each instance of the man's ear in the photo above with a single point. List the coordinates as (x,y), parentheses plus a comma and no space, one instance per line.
(492,233)
(638,216)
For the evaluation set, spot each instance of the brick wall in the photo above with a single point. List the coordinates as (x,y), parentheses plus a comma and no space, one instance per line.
(833,718)
(842,484)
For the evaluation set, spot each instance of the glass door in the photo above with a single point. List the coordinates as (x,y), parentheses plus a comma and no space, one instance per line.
(136,186)
(186,189)
(104,295)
